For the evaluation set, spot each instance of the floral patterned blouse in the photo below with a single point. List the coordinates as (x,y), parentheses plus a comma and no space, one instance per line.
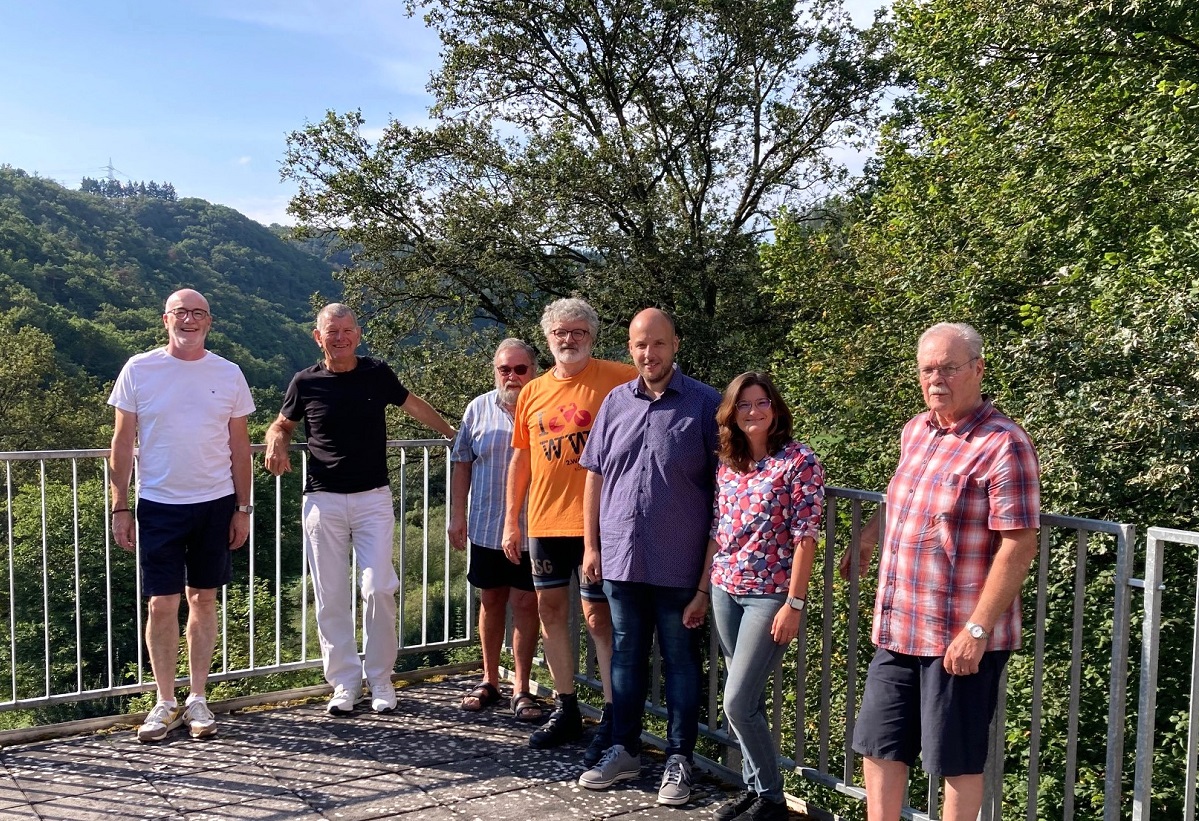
(761,515)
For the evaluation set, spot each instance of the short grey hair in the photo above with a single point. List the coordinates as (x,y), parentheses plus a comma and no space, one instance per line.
(335,310)
(521,345)
(567,310)
(957,330)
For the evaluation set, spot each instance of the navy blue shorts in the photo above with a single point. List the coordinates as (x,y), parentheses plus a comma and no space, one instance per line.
(184,545)
(490,568)
(911,707)
(555,560)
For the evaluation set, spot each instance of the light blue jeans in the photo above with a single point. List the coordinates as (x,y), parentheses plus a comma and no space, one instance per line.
(750,654)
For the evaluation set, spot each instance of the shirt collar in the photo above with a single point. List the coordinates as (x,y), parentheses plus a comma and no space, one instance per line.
(677,383)
(963,427)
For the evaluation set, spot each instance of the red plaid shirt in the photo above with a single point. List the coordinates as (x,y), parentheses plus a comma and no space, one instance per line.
(955,490)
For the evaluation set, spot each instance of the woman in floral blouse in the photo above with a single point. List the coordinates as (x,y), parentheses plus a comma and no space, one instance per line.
(769,503)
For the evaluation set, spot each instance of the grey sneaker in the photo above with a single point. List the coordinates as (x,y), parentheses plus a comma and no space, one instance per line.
(383,695)
(616,764)
(200,721)
(343,700)
(676,781)
(159,721)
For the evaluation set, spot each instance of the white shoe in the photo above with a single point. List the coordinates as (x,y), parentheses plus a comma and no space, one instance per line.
(343,700)
(198,718)
(160,721)
(383,695)
(616,764)
(676,782)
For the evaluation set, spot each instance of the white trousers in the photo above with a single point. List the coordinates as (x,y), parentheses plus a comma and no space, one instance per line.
(332,522)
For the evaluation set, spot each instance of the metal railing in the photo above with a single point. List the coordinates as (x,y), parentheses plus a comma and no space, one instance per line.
(71,604)
(1090,676)
(1072,695)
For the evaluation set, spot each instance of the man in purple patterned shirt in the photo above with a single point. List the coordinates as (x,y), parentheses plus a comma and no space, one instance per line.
(647,507)
(961,531)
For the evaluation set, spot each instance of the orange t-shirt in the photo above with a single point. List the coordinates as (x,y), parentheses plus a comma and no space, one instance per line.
(553,419)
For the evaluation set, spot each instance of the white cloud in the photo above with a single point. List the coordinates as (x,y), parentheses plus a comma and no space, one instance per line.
(243,160)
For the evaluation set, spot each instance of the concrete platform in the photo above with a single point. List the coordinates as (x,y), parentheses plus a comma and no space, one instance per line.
(426,760)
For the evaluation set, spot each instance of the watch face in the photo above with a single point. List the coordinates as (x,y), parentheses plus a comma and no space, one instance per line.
(977,631)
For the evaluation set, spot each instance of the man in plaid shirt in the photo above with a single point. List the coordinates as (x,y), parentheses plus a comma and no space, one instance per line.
(961,531)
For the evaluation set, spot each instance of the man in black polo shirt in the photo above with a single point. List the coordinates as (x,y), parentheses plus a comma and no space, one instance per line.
(343,402)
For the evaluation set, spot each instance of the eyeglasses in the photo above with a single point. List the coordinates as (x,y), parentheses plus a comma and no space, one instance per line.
(198,314)
(519,370)
(758,404)
(578,334)
(946,371)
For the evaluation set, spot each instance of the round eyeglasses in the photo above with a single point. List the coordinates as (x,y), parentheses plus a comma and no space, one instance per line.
(198,314)
(758,404)
(577,334)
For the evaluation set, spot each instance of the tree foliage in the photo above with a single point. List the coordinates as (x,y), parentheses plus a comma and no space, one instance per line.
(632,152)
(1039,183)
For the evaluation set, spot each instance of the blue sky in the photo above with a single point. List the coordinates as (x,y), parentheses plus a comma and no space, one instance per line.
(202,93)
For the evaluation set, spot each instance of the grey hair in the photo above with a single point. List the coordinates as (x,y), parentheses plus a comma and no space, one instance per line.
(957,330)
(566,310)
(521,345)
(335,310)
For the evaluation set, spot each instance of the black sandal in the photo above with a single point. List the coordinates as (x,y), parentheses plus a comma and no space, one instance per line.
(527,708)
(484,696)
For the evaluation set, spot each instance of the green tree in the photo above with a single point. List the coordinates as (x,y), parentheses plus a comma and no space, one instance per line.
(631,152)
(1039,184)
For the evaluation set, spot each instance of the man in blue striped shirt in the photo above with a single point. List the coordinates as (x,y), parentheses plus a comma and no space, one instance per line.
(480,459)
(647,507)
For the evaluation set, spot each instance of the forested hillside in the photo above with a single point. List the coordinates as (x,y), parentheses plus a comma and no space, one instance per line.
(92,273)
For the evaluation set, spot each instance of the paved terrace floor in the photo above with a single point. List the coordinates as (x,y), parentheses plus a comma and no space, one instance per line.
(426,760)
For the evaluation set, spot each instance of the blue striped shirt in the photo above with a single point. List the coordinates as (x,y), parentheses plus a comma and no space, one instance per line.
(485,440)
(658,460)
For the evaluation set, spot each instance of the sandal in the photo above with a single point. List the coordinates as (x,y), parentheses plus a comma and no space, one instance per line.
(526,708)
(480,698)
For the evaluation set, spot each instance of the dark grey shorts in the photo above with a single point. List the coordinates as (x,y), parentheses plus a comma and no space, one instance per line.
(911,707)
(184,545)
(555,560)
(490,568)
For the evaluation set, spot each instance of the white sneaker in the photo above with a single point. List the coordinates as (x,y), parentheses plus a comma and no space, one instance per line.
(165,717)
(343,700)
(383,695)
(616,764)
(676,782)
(198,718)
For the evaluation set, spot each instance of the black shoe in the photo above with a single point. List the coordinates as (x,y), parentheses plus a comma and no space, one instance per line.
(763,809)
(731,809)
(562,727)
(602,739)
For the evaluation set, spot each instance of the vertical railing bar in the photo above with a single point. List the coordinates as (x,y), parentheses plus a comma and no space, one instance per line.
(1038,675)
(78,604)
(1118,690)
(279,572)
(303,557)
(1188,798)
(45,577)
(801,688)
(111,644)
(851,632)
(251,589)
(445,537)
(12,591)
(1069,781)
(1147,703)
(826,639)
(403,530)
(137,583)
(424,591)
(224,628)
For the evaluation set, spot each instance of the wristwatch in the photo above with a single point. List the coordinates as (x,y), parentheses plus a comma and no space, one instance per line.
(249,509)
(795,603)
(976,630)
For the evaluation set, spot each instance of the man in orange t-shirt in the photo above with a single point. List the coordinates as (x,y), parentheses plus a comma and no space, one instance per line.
(553,418)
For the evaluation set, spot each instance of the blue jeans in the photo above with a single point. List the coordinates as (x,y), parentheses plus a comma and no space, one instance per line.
(637,609)
(750,654)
